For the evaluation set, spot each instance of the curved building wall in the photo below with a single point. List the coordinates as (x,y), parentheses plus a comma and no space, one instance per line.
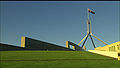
(115,47)
(112,50)
(7,47)
(33,44)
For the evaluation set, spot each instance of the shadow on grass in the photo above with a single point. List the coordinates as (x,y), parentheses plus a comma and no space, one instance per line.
(59,60)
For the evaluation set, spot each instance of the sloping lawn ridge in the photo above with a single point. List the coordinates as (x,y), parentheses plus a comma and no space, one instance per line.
(55,59)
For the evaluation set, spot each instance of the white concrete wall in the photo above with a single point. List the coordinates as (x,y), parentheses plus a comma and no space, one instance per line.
(105,53)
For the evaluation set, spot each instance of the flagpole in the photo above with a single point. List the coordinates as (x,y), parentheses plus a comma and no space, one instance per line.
(88,14)
(88,24)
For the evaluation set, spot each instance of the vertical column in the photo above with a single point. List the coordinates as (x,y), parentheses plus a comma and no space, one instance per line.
(23,42)
(67,44)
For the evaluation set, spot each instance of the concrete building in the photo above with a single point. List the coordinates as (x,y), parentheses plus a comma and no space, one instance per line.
(32,44)
(8,47)
(75,46)
(114,47)
(112,50)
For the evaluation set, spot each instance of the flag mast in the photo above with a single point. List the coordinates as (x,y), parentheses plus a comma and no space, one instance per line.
(89,33)
(88,14)
(89,30)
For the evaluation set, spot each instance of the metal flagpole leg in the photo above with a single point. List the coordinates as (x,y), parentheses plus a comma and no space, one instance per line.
(82,40)
(99,39)
(85,39)
(92,41)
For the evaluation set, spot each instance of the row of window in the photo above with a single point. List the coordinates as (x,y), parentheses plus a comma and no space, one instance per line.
(112,48)
(118,47)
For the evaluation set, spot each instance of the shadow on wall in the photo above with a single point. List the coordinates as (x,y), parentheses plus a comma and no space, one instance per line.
(32,44)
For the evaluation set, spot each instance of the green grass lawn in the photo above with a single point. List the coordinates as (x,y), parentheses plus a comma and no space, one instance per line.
(55,59)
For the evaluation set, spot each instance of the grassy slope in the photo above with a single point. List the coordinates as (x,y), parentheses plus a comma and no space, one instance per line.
(55,59)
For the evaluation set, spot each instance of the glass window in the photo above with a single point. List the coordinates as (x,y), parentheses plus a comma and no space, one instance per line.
(109,48)
(118,47)
(113,48)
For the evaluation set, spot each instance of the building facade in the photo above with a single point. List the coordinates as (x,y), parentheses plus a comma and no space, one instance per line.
(114,47)
(33,44)
(112,50)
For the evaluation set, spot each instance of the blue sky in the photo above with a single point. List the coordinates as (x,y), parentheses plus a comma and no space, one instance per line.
(58,21)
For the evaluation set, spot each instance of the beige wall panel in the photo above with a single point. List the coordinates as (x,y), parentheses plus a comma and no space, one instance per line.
(105,53)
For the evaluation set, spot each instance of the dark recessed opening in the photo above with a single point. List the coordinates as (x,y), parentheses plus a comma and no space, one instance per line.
(118,54)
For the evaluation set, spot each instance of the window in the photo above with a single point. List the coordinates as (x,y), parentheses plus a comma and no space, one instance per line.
(112,48)
(118,47)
